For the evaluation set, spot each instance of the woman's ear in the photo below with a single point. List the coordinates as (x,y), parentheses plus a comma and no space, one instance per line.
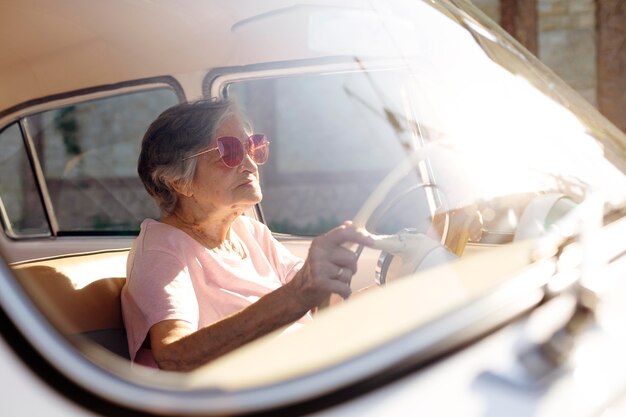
(182,189)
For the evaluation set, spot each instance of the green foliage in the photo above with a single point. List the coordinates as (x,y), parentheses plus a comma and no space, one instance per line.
(318,227)
(106,223)
(65,122)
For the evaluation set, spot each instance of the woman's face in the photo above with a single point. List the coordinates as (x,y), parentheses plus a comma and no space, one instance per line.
(218,187)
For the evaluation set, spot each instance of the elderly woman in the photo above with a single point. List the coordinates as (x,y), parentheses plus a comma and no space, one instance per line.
(205,279)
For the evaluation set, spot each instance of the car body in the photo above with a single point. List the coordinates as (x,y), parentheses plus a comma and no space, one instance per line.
(496,193)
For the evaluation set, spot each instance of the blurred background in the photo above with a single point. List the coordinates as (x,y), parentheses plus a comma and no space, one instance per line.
(582,41)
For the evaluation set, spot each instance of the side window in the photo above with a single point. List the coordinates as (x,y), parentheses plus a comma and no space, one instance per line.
(333,138)
(88,154)
(20,204)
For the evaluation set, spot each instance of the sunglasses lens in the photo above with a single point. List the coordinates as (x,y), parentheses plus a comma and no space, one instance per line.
(259,148)
(231,150)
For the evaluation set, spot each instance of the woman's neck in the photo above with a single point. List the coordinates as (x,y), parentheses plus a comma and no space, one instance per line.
(211,229)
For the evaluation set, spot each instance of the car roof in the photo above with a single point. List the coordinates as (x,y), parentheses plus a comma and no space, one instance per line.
(75,44)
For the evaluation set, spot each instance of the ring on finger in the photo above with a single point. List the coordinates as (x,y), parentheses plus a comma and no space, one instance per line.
(339,273)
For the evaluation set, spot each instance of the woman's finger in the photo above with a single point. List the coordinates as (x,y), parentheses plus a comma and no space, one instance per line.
(347,233)
(326,270)
(340,288)
(343,274)
(344,257)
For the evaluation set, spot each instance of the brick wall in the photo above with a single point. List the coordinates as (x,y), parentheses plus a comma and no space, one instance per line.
(566,40)
(611,45)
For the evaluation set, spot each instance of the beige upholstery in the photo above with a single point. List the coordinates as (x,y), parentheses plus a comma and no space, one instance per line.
(80,294)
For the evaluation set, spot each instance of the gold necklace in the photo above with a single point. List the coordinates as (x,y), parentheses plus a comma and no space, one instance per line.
(231,247)
(228,246)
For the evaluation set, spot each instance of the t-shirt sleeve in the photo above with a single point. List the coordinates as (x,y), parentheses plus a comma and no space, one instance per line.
(159,288)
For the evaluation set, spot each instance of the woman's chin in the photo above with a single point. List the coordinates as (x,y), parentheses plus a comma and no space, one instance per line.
(252,196)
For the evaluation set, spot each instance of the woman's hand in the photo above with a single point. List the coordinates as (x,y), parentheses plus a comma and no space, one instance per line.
(329,266)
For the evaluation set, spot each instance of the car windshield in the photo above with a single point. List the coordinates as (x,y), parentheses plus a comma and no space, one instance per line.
(427,121)
(482,128)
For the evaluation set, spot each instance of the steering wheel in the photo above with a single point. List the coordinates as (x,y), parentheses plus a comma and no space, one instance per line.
(382,211)
(407,251)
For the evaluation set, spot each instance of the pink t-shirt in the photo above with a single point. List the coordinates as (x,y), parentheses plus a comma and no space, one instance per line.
(172,276)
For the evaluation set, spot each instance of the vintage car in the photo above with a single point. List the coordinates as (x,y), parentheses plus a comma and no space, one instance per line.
(497,196)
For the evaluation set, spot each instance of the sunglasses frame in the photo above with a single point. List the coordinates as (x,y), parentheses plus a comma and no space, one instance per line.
(267,143)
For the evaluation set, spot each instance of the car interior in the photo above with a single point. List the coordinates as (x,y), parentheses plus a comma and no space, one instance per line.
(80,295)
(407,136)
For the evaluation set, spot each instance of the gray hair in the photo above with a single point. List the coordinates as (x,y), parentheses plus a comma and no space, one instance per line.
(177,133)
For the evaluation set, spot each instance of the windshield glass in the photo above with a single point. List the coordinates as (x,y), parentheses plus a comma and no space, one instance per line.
(417,119)
(484,126)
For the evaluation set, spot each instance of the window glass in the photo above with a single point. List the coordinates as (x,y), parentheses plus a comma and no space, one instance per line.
(89,152)
(20,203)
(327,134)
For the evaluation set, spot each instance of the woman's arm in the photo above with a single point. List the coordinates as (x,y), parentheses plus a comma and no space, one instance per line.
(328,269)
(176,346)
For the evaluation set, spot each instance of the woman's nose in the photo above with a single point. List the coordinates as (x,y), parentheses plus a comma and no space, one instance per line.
(248,163)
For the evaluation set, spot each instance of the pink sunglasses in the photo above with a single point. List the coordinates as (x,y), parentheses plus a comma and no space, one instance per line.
(232,150)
